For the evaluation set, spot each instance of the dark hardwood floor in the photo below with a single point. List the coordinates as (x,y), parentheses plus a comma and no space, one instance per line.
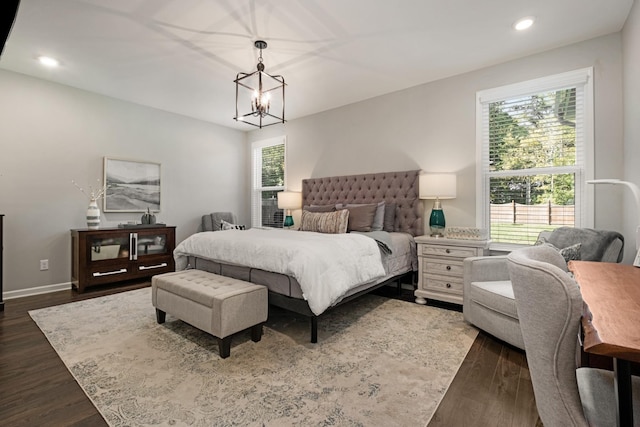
(492,387)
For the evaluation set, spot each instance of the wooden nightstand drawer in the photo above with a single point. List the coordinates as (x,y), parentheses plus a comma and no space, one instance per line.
(443,266)
(443,284)
(441,263)
(448,251)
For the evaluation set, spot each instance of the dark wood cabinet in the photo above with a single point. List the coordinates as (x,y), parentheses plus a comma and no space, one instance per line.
(110,255)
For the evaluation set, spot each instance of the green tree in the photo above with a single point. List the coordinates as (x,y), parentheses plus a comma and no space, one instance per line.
(273,166)
(535,131)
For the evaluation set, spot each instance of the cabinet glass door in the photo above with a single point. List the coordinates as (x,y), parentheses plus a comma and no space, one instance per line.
(152,243)
(108,247)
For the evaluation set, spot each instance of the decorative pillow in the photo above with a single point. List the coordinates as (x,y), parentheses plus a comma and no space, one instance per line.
(325,222)
(360,217)
(224,225)
(389,217)
(378,218)
(569,253)
(319,208)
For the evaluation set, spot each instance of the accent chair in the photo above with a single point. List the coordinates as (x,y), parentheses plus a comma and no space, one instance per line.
(212,221)
(550,307)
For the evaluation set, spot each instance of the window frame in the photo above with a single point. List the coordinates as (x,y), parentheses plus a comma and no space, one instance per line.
(256,179)
(582,79)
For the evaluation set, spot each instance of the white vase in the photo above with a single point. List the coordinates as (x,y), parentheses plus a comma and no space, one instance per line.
(93,215)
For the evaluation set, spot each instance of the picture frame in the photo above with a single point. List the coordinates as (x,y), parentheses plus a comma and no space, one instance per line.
(131,185)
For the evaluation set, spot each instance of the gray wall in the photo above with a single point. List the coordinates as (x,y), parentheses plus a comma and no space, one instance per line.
(432,127)
(631,60)
(51,134)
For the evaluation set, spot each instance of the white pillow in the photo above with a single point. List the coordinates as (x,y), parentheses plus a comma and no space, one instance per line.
(224,225)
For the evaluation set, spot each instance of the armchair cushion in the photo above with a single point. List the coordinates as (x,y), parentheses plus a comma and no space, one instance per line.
(496,295)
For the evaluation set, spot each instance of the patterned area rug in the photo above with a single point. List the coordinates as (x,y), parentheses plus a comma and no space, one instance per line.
(378,362)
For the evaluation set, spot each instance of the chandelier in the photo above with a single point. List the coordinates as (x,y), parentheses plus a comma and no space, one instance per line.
(262,92)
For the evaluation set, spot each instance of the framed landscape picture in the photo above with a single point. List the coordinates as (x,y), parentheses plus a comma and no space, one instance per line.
(131,186)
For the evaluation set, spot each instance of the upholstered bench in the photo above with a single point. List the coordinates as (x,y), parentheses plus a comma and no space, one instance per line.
(215,304)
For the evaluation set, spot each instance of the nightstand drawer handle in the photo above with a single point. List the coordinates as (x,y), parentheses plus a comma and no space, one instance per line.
(150,267)
(448,268)
(448,285)
(448,251)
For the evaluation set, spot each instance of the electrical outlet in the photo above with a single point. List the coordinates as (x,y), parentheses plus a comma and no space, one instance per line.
(44,264)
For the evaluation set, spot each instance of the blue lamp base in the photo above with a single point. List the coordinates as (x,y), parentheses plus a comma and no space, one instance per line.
(437,223)
(288,221)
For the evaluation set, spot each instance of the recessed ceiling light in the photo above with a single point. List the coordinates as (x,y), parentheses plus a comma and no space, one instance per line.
(48,61)
(524,23)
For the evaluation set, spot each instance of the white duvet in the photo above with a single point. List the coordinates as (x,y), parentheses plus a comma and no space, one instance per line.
(325,265)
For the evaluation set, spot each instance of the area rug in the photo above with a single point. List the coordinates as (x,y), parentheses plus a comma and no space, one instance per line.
(378,362)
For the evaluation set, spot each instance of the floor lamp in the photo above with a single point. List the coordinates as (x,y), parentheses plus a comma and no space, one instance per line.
(636,194)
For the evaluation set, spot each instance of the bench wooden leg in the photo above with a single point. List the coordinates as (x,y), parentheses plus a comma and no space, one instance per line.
(160,316)
(256,332)
(224,345)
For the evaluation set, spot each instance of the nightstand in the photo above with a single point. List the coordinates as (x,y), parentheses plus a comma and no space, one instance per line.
(440,275)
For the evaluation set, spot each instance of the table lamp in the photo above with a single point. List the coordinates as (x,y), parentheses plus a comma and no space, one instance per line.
(636,195)
(289,200)
(437,186)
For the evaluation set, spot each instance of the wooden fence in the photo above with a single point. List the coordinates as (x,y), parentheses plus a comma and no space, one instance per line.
(546,213)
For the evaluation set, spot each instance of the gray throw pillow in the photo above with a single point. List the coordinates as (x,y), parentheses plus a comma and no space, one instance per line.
(378,219)
(319,208)
(361,217)
(569,253)
(389,217)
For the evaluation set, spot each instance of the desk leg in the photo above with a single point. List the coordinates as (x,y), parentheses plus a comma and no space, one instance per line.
(622,383)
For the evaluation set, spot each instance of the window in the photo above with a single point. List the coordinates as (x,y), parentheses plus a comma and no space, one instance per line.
(268,173)
(535,142)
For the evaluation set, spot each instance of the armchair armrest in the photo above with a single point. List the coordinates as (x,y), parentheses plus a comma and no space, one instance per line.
(482,269)
(485,268)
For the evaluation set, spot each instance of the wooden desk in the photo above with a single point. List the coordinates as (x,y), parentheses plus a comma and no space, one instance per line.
(611,321)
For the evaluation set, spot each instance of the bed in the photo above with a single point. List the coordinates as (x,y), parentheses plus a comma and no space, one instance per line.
(398,191)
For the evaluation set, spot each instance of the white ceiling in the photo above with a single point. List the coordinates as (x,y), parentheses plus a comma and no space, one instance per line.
(183,55)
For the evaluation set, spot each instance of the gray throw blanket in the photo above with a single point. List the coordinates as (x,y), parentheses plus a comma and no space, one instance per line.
(382,238)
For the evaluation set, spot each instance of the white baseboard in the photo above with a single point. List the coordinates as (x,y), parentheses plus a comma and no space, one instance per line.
(36,291)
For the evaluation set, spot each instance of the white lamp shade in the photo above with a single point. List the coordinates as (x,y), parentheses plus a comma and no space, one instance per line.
(438,185)
(289,200)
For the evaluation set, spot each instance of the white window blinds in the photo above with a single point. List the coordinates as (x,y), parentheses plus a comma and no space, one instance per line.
(532,162)
(268,178)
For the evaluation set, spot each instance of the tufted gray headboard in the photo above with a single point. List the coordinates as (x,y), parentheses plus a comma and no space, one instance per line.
(400,188)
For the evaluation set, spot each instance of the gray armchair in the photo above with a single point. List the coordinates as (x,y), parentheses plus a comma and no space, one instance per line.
(550,307)
(212,221)
(488,300)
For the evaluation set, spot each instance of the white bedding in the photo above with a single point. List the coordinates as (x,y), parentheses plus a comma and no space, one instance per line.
(325,265)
